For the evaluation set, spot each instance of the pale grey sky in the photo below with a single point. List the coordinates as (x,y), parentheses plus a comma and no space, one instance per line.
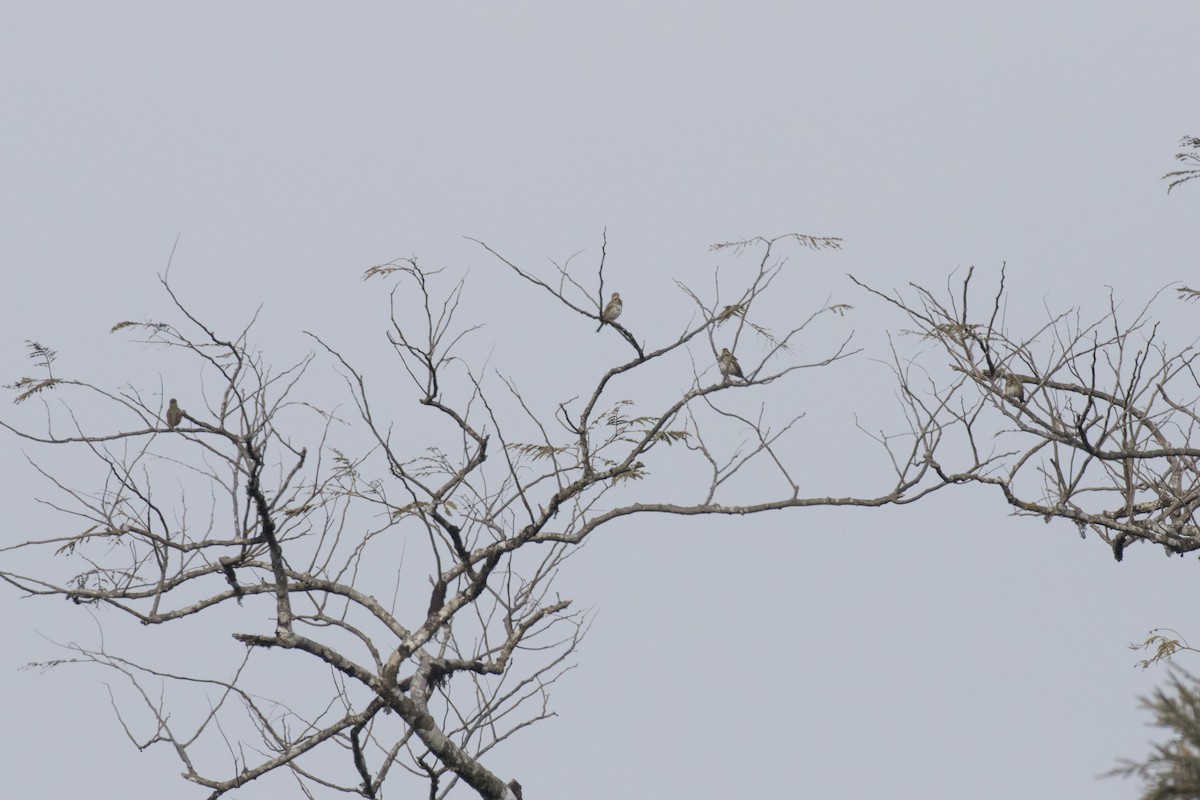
(942,650)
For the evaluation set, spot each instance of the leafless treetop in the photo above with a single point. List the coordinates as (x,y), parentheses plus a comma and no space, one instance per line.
(422,581)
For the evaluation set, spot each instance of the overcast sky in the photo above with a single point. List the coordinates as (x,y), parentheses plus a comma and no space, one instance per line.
(943,650)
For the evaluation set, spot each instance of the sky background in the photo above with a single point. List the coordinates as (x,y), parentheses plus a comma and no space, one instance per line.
(946,649)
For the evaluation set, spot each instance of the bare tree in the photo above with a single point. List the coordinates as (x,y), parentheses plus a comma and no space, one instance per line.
(1088,420)
(1099,416)
(241,507)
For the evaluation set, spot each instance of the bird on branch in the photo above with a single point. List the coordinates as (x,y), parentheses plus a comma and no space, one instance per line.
(1013,388)
(729,366)
(174,414)
(611,311)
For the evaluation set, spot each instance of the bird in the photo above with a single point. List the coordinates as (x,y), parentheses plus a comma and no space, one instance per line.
(734,310)
(611,311)
(1013,388)
(174,414)
(728,364)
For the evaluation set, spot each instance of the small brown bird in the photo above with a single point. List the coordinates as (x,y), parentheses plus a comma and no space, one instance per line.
(174,414)
(611,311)
(730,311)
(729,366)
(1013,388)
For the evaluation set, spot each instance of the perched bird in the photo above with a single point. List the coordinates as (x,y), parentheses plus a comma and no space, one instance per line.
(611,311)
(1013,388)
(515,789)
(174,414)
(731,311)
(728,364)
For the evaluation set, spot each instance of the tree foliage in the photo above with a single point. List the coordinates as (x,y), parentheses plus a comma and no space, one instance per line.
(1172,769)
(1190,157)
